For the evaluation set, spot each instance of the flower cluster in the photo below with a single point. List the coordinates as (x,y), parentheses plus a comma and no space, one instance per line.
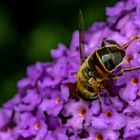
(45,106)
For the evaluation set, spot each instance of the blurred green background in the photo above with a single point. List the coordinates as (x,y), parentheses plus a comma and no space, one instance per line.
(29,29)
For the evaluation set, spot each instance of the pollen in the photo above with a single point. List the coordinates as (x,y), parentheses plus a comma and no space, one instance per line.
(108,114)
(82,112)
(37,126)
(99,137)
(134,81)
(58,100)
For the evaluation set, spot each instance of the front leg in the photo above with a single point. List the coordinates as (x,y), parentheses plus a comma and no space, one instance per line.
(123,71)
(99,100)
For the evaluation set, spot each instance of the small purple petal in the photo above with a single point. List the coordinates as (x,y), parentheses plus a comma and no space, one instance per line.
(58,53)
(5,116)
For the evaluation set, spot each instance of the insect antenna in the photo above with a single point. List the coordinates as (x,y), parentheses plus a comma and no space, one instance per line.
(81,37)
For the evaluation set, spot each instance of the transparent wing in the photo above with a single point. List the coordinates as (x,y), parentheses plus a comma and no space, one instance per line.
(81,37)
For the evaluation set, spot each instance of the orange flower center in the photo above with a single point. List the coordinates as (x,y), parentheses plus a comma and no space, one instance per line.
(134,81)
(129,58)
(37,126)
(57,101)
(108,114)
(99,137)
(82,112)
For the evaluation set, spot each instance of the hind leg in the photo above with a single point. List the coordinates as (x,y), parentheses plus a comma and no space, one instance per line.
(100,104)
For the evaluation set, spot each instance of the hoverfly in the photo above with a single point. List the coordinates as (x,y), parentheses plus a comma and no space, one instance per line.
(98,67)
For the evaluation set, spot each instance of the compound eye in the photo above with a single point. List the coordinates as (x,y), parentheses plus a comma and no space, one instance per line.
(88,72)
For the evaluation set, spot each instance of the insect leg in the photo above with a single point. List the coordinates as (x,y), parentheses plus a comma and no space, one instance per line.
(109,96)
(110,42)
(99,99)
(131,40)
(123,71)
(102,43)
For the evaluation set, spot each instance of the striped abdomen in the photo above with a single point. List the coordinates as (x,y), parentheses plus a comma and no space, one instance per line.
(97,67)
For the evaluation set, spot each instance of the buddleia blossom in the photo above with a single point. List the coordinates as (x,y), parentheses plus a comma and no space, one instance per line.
(46,106)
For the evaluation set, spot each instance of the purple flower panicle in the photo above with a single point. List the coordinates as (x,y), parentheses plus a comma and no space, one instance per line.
(45,106)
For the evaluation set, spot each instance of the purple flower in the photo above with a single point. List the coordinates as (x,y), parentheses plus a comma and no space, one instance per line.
(132,129)
(54,100)
(33,74)
(30,125)
(29,101)
(58,134)
(131,89)
(107,134)
(46,106)
(110,118)
(5,115)
(79,112)
(8,135)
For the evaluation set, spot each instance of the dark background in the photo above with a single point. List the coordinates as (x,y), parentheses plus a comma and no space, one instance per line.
(29,29)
